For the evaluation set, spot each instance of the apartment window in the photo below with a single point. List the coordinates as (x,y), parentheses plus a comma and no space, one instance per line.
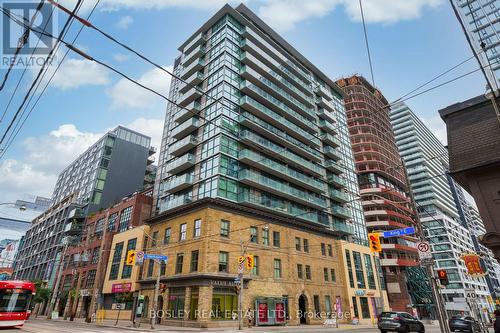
(224,228)
(276,239)
(332,275)
(182,234)
(297,243)
(328,306)
(323,249)
(325,273)
(308,272)
(277,268)
(166,238)
(197,228)
(300,273)
(265,237)
(358,267)
(194,260)
(95,254)
(151,265)
(155,239)
(349,268)
(127,269)
(330,250)
(113,218)
(99,227)
(125,217)
(163,267)
(306,245)
(369,272)
(115,264)
(89,283)
(178,263)
(253,235)
(223,260)
(255,268)
(317,309)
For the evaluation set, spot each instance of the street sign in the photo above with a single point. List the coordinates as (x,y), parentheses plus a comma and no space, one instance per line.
(240,268)
(155,257)
(399,232)
(139,257)
(424,250)
(470,294)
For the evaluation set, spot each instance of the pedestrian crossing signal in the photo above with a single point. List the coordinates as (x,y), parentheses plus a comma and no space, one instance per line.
(443,277)
(131,257)
(374,240)
(250,261)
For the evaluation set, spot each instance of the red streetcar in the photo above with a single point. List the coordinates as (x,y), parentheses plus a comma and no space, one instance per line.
(15,301)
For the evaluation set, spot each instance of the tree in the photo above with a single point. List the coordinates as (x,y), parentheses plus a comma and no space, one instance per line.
(42,294)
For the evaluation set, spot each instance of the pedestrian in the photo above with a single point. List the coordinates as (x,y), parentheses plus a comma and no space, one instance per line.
(497,321)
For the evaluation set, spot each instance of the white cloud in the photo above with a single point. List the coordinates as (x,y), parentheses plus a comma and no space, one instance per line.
(127,94)
(124,22)
(120,57)
(149,127)
(438,127)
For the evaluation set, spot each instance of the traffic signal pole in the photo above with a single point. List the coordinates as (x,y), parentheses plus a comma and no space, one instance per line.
(240,294)
(155,302)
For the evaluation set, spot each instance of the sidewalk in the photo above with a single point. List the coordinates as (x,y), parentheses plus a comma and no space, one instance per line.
(127,325)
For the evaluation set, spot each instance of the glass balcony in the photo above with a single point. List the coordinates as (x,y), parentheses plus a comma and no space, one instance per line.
(259,161)
(276,119)
(199,39)
(190,96)
(324,103)
(338,196)
(327,127)
(192,68)
(264,128)
(341,212)
(189,111)
(179,183)
(191,82)
(182,146)
(73,228)
(276,91)
(182,163)
(343,227)
(325,114)
(334,179)
(185,128)
(332,153)
(323,91)
(299,162)
(330,139)
(258,66)
(272,186)
(193,55)
(331,165)
(176,202)
(265,46)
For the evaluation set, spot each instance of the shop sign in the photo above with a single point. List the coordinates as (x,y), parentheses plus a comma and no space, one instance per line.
(121,287)
(280,312)
(359,293)
(224,283)
(263,316)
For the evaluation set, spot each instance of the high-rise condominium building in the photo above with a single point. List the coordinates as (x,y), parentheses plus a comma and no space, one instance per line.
(113,167)
(256,152)
(383,186)
(426,160)
(257,124)
(482,22)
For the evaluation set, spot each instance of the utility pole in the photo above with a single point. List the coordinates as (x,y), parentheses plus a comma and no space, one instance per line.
(240,293)
(157,291)
(440,310)
(55,292)
(97,288)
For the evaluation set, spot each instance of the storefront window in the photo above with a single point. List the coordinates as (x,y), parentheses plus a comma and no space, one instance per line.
(193,310)
(365,309)
(224,304)
(176,302)
(355,307)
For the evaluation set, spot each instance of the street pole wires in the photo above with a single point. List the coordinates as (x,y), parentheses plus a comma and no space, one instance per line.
(22,42)
(47,61)
(366,41)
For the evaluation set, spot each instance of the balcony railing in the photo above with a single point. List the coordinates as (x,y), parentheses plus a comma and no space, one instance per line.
(324,92)
(191,82)
(184,114)
(336,180)
(327,127)
(192,68)
(182,163)
(332,153)
(330,139)
(338,196)
(190,96)
(334,166)
(341,212)
(179,183)
(344,227)
(182,146)
(185,128)
(195,53)
(176,202)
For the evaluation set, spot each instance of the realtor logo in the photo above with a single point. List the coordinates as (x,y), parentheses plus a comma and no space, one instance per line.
(35,46)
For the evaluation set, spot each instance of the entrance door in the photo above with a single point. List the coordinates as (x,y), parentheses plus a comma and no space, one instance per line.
(303,309)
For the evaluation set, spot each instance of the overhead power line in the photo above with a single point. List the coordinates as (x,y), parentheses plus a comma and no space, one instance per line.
(366,41)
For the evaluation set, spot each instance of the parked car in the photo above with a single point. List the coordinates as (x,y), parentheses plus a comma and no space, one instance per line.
(466,324)
(399,322)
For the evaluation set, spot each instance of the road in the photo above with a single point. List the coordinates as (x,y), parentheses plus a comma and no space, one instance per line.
(45,326)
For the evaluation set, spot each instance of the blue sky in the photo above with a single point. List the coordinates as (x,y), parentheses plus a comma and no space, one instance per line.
(411,41)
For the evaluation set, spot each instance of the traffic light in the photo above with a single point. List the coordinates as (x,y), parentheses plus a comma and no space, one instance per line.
(241,259)
(374,240)
(443,277)
(163,287)
(250,261)
(131,257)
